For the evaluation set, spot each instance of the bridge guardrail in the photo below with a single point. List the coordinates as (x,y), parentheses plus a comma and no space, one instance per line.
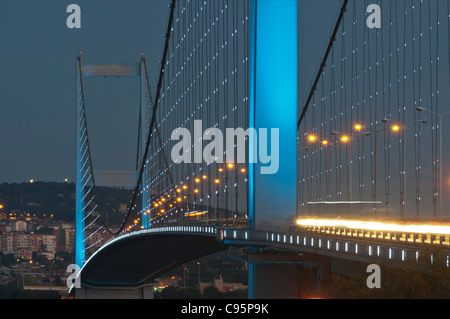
(354,245)
(404,238)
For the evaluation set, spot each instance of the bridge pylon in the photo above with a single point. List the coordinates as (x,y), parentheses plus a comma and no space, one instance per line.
(273,106)
(85,195)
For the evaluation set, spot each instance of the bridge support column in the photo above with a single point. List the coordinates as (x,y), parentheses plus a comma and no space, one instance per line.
(276,281)
(144,292)
(288,275)
(273,110)
(272,107)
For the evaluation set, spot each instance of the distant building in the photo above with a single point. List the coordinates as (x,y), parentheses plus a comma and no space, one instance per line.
(19,226)
(68,226)
(123,207)
(65,238)
(23,254)
(17,243)
(49,243)
(221,285)
(44,244)
(15,240)
(5,228)
(7,243)
(21,241)
(70,239)
(49,255)
(36,242)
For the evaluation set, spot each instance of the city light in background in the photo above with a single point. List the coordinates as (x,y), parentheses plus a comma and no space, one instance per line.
(356,166)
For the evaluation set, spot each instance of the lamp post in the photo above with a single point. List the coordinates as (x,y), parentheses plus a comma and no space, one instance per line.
(312,139)
(397,128)
(367,132)
(440,154)
(347,139)
(198,263)
(308,141)
(360,129)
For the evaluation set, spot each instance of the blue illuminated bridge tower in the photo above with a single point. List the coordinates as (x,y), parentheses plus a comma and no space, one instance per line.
(227,159)
(230,64)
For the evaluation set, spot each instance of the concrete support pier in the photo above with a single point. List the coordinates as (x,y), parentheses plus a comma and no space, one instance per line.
(143,292)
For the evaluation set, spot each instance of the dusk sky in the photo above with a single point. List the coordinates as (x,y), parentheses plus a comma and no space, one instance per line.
(37,81)
(359,175)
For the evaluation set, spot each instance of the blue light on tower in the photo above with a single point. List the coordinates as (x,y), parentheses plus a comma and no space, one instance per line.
(273,104)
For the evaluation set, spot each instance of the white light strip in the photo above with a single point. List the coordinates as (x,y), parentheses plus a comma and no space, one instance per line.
(377,226)
(344,202)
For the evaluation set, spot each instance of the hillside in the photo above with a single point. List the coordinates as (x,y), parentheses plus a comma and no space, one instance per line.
(46,198)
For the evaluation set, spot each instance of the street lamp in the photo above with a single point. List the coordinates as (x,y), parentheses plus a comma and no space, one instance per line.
(396,128)
(312,139)
(358,127)
(346,139)
(420,109)
(307,141)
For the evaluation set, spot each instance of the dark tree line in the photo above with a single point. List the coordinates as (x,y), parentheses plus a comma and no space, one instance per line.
(426,278)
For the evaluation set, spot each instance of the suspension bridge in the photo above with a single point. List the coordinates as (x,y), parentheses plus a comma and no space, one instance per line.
(353,173)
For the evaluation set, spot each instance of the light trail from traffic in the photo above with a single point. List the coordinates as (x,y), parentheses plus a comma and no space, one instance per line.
(376,226)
